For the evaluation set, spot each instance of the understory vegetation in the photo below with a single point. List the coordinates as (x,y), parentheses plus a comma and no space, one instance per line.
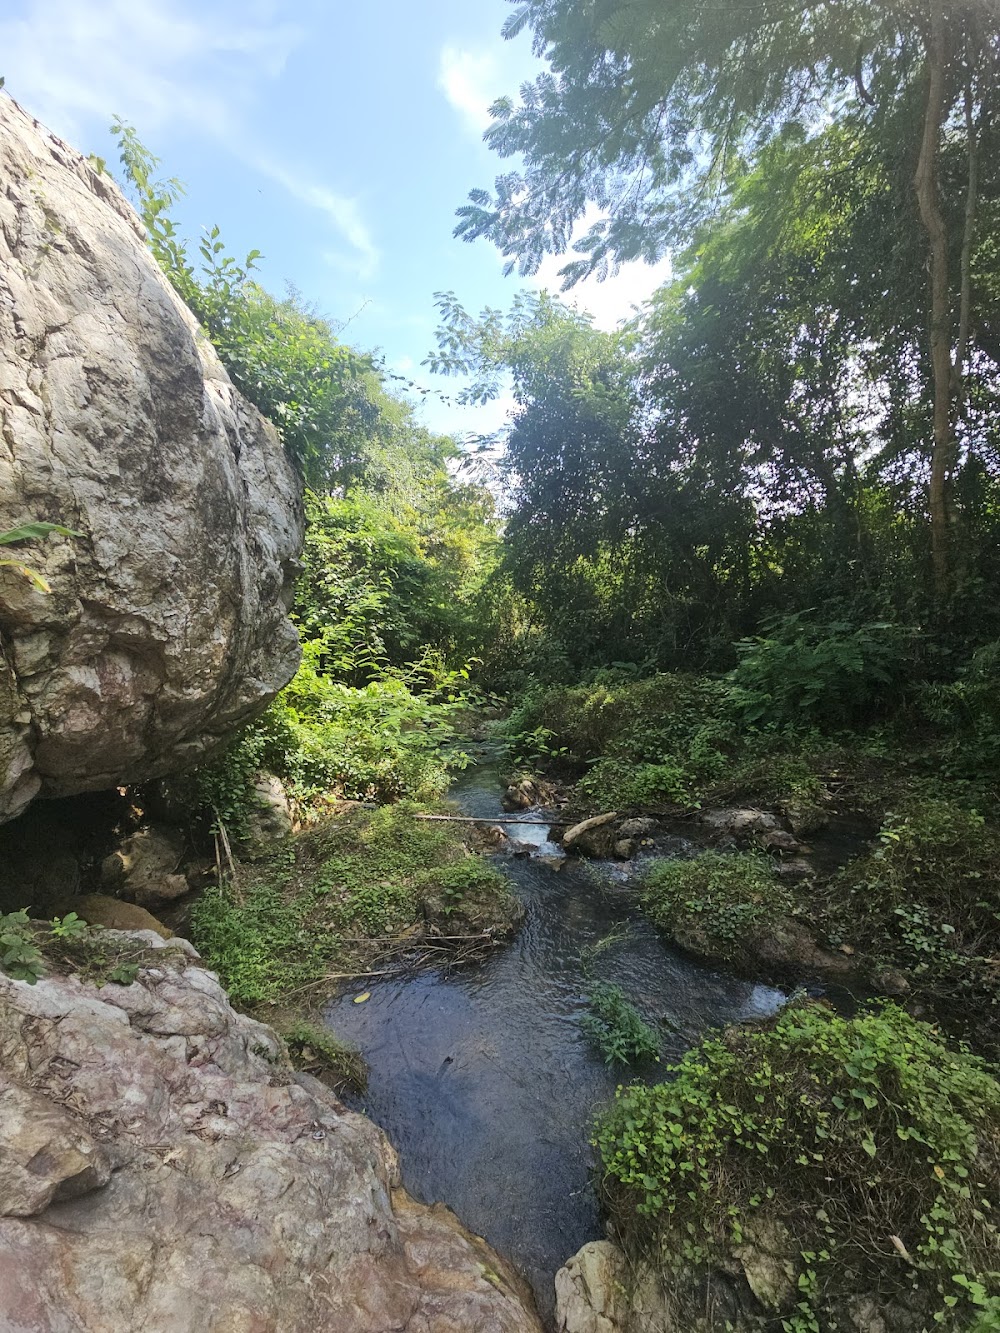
(357,887)
(616,1027)
(30,949)
(723,903)
(313,1048)
(841,1155)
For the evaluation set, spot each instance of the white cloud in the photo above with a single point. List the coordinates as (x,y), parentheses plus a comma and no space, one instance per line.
(616,298)
(613,300)
(343,212)
(165,64)
(471,82)
(147,60)
(474,419)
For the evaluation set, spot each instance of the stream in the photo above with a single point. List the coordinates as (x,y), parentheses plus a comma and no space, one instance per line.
(484,1081)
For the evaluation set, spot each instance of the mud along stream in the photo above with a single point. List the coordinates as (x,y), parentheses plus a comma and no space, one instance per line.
(484,1080)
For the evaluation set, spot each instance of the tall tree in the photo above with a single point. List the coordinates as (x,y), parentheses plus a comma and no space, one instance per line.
(653,109)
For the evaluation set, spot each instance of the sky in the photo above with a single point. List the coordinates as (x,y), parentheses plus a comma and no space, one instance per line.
(336,138)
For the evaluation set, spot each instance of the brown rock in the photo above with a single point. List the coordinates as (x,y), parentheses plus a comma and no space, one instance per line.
(97,909)
(144,868)
(640,827)
(890,981)
(45,1154)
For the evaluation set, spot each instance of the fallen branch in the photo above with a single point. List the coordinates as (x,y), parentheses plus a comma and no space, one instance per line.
(585,825)
(220,832)
(489,819)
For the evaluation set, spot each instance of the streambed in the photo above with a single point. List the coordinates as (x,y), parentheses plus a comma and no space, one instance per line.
(483,1079)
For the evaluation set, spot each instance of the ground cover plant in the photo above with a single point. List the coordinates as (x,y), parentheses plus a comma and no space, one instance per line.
(719,904)
(651,742)
(926,898)
(332,901)
(314,1048)
(674,741)
(865,1152)
(29,949)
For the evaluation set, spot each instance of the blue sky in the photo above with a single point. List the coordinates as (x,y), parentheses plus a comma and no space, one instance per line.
(336,138)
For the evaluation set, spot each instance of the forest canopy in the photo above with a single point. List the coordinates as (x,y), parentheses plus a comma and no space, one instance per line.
(806,415)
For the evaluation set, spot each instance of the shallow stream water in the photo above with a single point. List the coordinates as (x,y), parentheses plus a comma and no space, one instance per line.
(483,1079)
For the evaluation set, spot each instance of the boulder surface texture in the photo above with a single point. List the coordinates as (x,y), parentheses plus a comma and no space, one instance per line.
(163,1168)
(167,622)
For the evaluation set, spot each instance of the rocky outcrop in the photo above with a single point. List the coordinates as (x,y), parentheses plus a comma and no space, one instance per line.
(750,826)
(162,1168)
(167,622)
(601,1291)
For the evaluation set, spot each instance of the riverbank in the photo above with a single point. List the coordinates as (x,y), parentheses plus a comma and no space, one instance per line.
(855,852)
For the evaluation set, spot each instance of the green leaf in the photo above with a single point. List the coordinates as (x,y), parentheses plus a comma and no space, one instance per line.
(32,531)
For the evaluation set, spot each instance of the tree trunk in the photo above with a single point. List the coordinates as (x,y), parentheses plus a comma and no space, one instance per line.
(926,182)
(968,239)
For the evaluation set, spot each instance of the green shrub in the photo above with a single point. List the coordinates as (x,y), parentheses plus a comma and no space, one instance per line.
(866,1145)
(963,716)
(616,1027)
(650,742)
(25,944)
(718,904)
(928,895)
(639,720)
(378,742)
(462,885)
(326,740)
(805,673)
(69,945)
(619,784)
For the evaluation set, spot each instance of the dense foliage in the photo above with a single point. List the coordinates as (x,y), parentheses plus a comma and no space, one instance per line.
(396,548)
(863,1152)
(750,546)
(927,897)
(723,903)
(655,115)
(778,431)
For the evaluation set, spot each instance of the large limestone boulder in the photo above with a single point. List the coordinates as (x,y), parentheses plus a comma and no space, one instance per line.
(167,624)
(162,1168)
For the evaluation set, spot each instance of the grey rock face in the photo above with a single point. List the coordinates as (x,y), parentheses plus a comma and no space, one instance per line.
(240,1196)
(167,624)
(641,827)
(269,818)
